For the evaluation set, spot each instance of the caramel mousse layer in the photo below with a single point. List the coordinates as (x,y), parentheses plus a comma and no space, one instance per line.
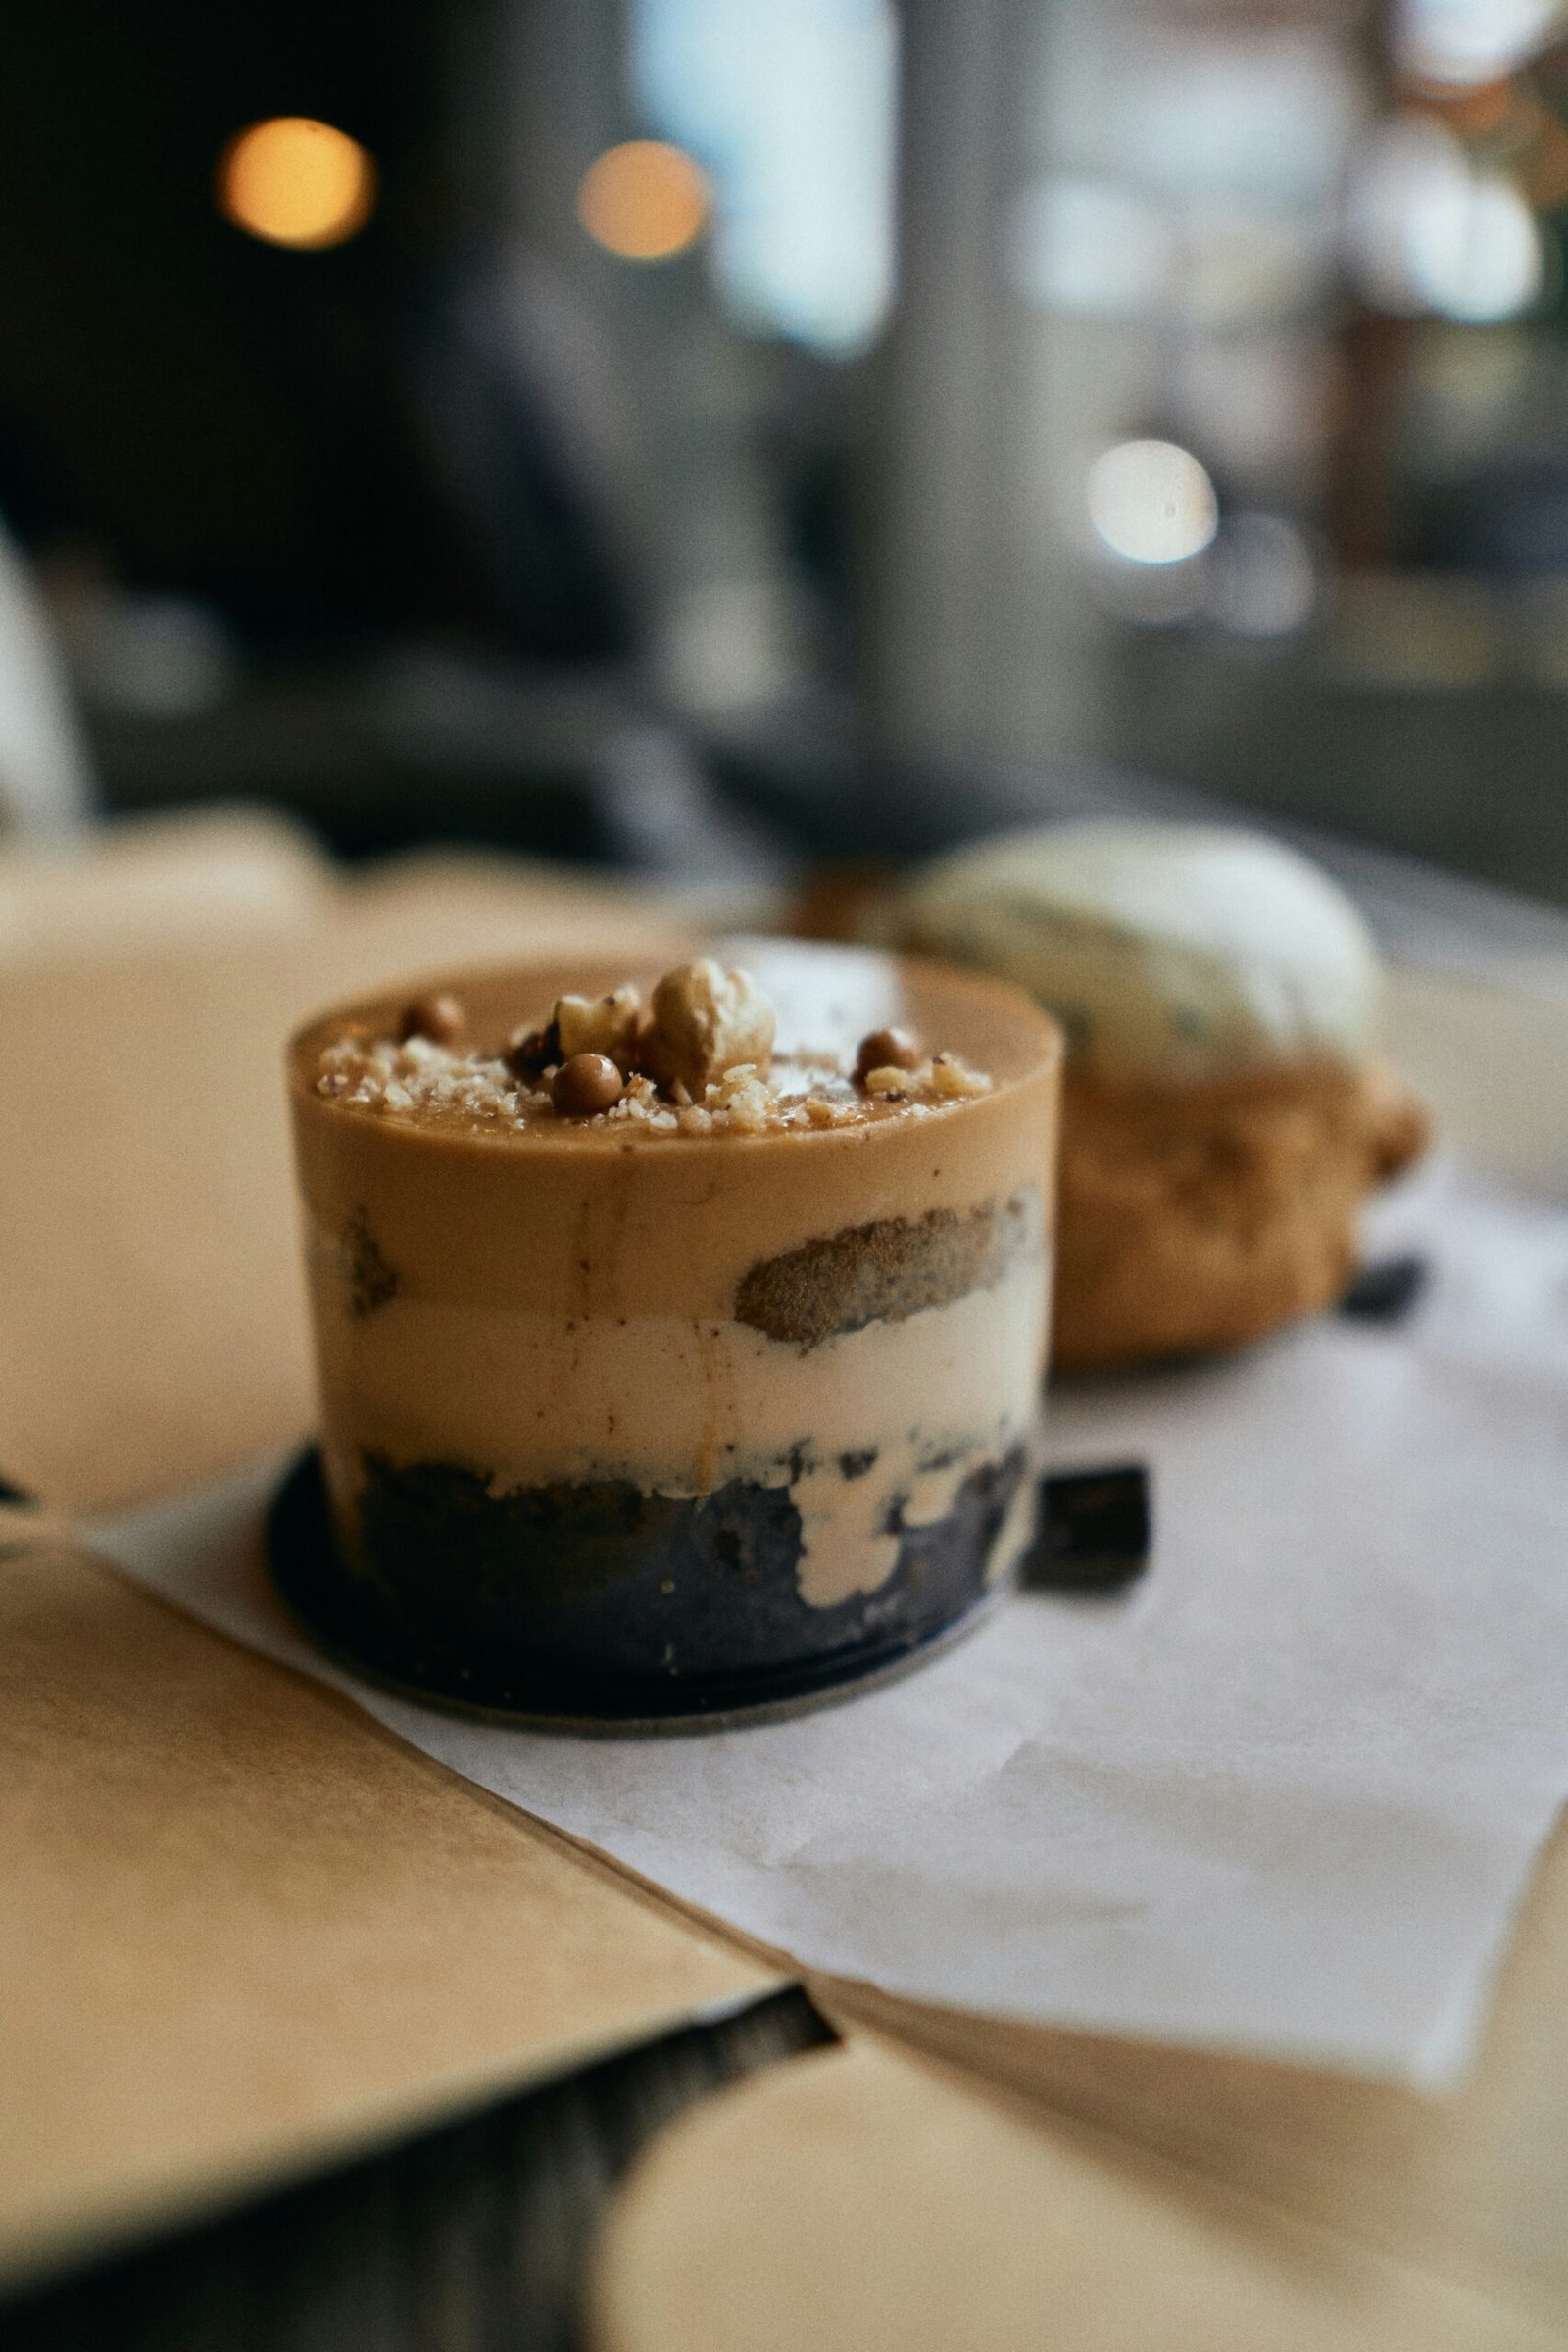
(737,1366)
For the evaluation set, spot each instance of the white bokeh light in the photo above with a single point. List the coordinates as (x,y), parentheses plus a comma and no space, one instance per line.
(1468,43)
(1427,232)
(1477,258)
(1264,582)
(1088,249)
(1151,502)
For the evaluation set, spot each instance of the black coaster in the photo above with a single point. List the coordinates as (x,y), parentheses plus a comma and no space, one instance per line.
(348,1616)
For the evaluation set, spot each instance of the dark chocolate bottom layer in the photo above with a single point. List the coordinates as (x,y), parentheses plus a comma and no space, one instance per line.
(599,1603)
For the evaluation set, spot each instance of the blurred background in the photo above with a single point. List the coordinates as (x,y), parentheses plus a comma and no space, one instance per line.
(709,436)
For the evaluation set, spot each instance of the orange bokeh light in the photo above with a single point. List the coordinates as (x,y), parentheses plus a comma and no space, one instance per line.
(645,201)
(297,182)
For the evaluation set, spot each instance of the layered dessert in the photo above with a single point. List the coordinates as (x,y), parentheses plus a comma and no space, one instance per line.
(1226,1108)
(679,1333)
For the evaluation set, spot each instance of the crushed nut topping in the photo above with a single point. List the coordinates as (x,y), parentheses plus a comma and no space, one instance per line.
(680,1059)
(944,1076)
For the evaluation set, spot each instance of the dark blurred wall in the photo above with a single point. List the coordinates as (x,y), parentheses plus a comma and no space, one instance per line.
(209,413)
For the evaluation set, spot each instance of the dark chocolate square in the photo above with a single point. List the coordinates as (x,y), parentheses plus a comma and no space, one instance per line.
(1095,1532)
(1385,1289)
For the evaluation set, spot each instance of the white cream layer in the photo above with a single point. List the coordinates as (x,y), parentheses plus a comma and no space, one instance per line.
(681,1406)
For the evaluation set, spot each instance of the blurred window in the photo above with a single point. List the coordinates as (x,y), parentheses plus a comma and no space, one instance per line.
(791,110)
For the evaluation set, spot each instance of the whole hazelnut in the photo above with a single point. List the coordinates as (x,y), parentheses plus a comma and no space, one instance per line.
(887,1050)
(438,1018)
(586,1085)
(599,1025)
(705,1021)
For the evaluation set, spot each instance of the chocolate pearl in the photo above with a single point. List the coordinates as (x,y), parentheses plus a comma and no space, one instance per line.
(586,1085)
(887,1050)
(438,1018)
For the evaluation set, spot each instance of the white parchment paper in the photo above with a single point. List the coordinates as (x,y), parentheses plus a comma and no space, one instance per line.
(1282,1799)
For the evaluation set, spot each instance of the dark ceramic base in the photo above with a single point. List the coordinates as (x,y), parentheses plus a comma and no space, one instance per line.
(598,1608)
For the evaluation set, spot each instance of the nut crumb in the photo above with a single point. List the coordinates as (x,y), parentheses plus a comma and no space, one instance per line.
(950,1077)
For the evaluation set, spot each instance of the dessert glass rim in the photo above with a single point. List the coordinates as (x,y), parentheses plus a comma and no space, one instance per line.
(555,974)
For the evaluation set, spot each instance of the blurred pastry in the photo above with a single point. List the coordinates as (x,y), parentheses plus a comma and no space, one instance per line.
(1226,1110)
